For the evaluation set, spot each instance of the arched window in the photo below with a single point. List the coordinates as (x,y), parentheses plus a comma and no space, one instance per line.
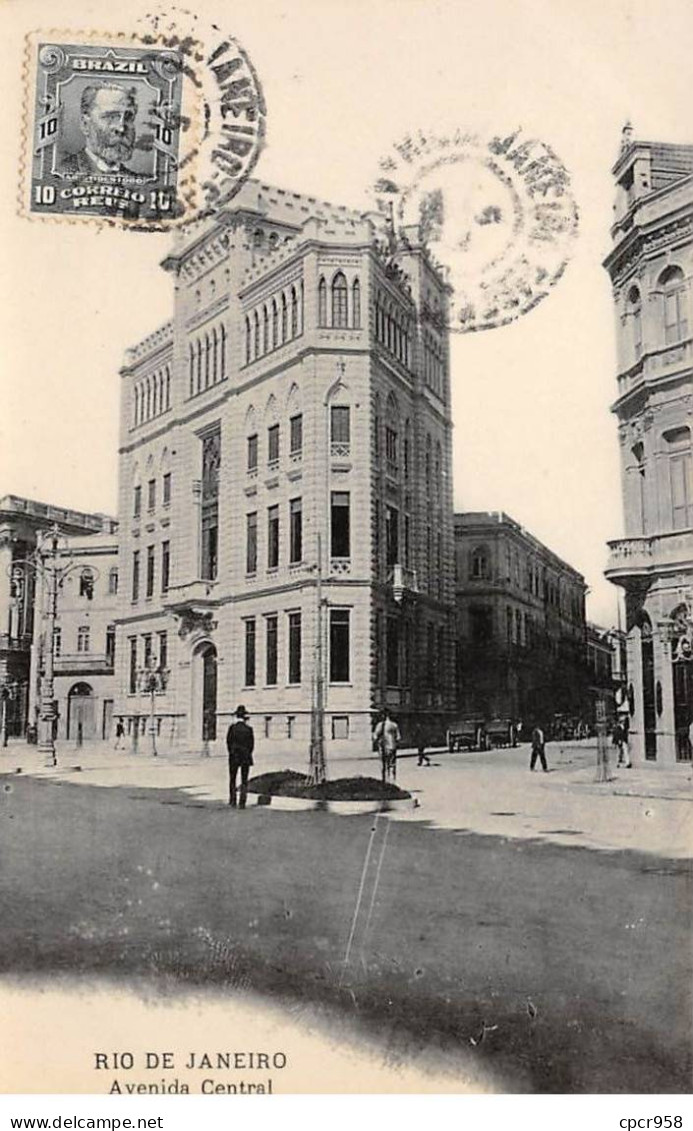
(294,313)
(635,314)
(378,319)
(223,352)
(284,318)
(191,369)
(207,359)
(256,342)
(675,315)
(136,403)
(340,315)
(161,391)
(300,308)
(215,356)
(322,303)
(248,342)
(275,324)
(356,304)
(265,330)
(167,394)
(148,411)
(199,365)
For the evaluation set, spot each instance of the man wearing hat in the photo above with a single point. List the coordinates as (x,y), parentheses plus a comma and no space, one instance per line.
(240,742)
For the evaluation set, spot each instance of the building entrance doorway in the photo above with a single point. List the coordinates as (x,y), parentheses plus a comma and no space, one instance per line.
(80,712)
(648,689)
(204,693)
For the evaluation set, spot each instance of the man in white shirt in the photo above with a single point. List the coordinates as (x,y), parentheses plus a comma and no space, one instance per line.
(538,744)
(388,738)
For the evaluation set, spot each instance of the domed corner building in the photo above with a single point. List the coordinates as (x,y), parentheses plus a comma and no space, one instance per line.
(650,266)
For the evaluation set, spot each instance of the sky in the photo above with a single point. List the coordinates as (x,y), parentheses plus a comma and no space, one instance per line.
(343,81)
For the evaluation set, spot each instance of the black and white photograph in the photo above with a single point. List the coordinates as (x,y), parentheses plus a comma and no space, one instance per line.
(346,549)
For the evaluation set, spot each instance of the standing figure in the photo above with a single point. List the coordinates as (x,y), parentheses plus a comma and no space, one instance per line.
(538,744)
(240,742)
(388,739)
(119,734)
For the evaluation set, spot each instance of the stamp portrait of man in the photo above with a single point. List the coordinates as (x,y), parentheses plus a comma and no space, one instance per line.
(107,121)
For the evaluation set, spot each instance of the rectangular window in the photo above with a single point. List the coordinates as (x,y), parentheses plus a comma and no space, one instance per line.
(340,430)
(339,645)
(272,537)
(163,650)
(83,638)
(137,502)
(150,571)
(392,535)
(340,535)
(166,489)
(210,543)
(250,652)
(273,445)
(147,644)
(151,494)
(294,647)
(136,575)
(295,530)
(132,680)
(113,581)
(57,641)
(681,491)
(251,542)
(268,726)
(392,652)
(481,621)
(165,566)
(340,726)
(290,724)
(271,624)
(296,424)
(252,453)
(110,643)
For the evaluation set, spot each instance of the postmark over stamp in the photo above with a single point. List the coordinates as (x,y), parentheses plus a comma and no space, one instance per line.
(106,132)
(497,211)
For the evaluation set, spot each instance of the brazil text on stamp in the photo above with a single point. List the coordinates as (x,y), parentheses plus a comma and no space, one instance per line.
(498,211)
(106,132)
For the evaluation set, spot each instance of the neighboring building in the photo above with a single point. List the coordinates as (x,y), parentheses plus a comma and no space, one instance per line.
(605,655)
(650,267)
(84,640)
(287,437)
(520,625)
(21,523)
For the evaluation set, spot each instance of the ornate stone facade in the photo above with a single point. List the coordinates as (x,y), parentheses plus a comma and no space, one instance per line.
(650,268)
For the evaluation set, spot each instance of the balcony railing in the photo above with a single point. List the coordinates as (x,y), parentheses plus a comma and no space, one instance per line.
(647,554)
(195,591)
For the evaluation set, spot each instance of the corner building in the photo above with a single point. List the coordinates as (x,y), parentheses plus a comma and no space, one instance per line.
(286,441)
(650,267)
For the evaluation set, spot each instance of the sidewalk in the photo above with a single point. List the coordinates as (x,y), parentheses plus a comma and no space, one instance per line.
(490,793)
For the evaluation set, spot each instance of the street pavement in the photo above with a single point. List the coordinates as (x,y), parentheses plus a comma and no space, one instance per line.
(491,793)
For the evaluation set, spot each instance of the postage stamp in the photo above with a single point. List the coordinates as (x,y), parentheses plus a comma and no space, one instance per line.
(107,126)
(498,212)
(147,130)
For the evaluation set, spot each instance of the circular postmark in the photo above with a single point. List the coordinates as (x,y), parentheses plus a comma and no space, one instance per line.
(497,212)
(147,130)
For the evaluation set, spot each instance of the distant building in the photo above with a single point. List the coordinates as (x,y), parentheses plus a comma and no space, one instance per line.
(520,625)
(605,657)
(21,523)
(650,267)
(84,640)
(286,440)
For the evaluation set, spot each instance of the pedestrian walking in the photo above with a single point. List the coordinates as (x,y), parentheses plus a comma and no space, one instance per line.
(240,743)
(538,744)
(119,734)
(388,739)
(618,740)
(424,759)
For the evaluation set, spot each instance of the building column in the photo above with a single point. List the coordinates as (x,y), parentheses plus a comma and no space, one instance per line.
(664,677)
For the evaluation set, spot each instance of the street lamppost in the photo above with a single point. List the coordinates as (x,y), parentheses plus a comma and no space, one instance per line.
(152,680)
(44,563)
